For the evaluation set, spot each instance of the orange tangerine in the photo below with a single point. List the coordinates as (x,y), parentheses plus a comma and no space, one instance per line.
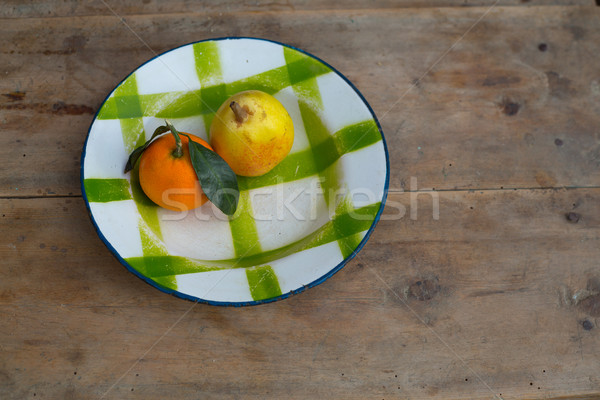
(168,180)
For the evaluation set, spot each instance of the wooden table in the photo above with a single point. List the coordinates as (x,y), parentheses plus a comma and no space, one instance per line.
(490,111)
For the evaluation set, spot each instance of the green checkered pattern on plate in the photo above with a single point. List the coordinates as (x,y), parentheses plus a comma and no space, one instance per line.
(300,72)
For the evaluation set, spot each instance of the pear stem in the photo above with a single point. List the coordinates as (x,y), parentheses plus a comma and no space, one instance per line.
(240,113)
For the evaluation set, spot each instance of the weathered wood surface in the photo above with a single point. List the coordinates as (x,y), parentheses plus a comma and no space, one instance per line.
(499,297)
(62,8)
(495,96)
(493,293)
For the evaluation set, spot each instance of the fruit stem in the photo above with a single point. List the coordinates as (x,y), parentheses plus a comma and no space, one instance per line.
(178,151)
(240,113)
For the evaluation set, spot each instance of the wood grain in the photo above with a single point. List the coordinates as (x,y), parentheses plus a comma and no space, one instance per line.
(492,94)
(64,8)
(488,299)
(480,289)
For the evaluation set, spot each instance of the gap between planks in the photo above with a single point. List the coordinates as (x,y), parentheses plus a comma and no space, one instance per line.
(493,189)
(71,196)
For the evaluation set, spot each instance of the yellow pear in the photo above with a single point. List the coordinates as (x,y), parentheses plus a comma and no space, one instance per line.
(252,132)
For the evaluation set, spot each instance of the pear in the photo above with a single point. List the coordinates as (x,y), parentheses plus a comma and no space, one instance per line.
(252,132)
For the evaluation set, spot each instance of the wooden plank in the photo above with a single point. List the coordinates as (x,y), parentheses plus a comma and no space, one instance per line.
(28,9)
(497,296)
(493,112)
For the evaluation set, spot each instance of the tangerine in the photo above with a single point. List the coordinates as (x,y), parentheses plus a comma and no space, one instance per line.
(168,180)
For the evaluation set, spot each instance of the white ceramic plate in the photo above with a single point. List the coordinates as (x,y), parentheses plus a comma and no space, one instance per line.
(294,227)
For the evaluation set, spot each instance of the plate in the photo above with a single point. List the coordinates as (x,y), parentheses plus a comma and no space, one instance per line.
(294,227)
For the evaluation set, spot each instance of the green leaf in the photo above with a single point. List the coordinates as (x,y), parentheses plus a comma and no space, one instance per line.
(136,154)
(217,179)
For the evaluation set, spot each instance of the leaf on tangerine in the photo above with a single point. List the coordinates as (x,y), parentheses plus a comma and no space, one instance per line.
(137,153)
(217,179)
